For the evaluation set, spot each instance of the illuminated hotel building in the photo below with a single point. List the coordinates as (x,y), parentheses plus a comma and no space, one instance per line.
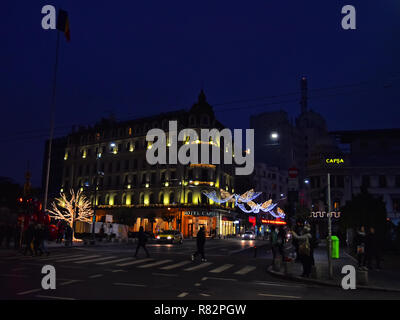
(108,162)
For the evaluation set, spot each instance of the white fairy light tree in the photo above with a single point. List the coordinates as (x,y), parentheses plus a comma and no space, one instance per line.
(77,208)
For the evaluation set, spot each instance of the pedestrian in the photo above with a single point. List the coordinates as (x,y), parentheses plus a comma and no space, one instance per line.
(281,242)
(28,236)
(102,232)
(142,239)
(44,236)
(304,249)
(297,229)
(68,235)
(359,241)
(274,242)
(60,231)
(372,249)
(110,231)
(37,238)
(200,242)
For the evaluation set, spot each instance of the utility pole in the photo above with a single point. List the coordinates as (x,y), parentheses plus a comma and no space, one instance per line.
(329,229)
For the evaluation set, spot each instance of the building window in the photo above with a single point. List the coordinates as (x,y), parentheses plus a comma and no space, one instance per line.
(396,205)
(340,181)
(172,198)
(141,200)
(189,198)
(382,181)
(366,181)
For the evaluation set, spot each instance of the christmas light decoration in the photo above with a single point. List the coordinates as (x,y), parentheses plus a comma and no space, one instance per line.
(246,198)
(77,208)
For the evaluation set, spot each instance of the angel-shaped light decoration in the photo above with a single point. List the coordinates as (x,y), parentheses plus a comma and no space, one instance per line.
(267,207)
(236,198)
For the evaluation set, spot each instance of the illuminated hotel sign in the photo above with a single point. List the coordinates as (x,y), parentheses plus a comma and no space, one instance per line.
(201,213)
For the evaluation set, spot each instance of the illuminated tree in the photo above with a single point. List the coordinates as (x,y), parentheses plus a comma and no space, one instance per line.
(77,208)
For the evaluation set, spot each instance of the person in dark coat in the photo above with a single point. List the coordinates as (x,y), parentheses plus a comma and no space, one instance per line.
(29,236)
(37,239)
(372,249)
(304,249)
(68,235)
(200,241)
(360,243)
(142,239)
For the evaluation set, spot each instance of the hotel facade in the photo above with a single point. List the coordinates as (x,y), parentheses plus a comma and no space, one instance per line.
(108,163)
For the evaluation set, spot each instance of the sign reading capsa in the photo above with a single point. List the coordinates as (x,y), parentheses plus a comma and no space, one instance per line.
(334,160)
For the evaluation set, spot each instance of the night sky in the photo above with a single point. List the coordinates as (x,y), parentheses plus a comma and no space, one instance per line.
(138,58)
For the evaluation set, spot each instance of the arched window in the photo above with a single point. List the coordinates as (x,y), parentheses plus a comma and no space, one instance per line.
(204,199)
(107,199)
(189,197)
(124,198)
(141,198)
(172,198)
(151,198)
(161,198)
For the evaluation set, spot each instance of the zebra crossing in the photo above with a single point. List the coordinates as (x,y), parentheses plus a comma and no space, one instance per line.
(145,263)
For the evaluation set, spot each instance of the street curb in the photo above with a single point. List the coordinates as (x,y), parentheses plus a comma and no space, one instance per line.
(325,283)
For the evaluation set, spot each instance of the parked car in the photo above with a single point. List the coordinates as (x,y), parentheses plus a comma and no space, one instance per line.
(171,236)
(248,235)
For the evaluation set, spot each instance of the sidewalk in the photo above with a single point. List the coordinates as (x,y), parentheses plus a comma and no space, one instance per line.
(382,280)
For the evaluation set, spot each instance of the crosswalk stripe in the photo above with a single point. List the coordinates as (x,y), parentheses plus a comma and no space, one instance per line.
(76,259)
(155,264)
(245,270)
(96,259)
(133,262)
(176,265)
(51,257)
(114,261)
(200,266)
(221,268)
(28,257)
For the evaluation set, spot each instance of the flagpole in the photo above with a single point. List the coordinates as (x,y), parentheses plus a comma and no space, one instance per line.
(52,116)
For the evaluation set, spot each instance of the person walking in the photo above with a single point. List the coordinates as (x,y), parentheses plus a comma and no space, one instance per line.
(29,235)
(142,239)
(304,249)
(359,241)
(274,242)
(372,249)
(68,235)
(37,238)
(44,236)
(102,232)
(200,242)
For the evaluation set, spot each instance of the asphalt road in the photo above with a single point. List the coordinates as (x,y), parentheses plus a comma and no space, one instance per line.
(231,272)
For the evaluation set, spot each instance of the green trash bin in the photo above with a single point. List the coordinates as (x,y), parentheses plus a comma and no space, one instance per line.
(335,247)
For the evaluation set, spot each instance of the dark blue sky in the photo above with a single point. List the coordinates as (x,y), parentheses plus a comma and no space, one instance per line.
(140,58)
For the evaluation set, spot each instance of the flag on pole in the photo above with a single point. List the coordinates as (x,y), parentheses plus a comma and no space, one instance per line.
(63,23)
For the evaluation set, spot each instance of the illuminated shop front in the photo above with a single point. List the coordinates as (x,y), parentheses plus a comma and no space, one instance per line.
(193,220)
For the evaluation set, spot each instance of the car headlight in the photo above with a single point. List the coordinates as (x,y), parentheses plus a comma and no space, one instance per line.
(158,237)
(242,235)
(169,238)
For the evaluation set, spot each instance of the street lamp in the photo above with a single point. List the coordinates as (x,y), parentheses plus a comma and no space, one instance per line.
(274,135)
